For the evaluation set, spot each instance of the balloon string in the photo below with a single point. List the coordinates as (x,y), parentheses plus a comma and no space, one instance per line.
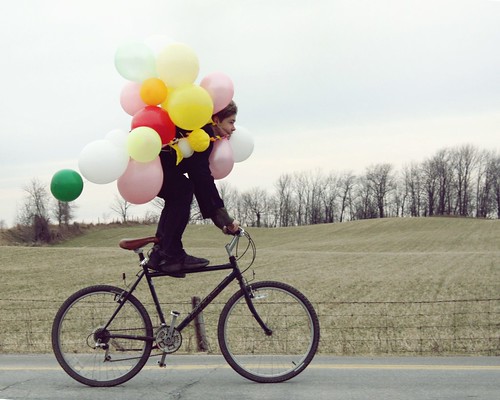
(176,140)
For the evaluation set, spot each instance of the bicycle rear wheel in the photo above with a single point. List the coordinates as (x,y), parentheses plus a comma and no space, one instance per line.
(92,353)
(269,358)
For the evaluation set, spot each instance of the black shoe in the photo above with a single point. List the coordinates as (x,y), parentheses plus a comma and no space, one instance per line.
(174,266)
(155,258)
(158,258)
(182,263)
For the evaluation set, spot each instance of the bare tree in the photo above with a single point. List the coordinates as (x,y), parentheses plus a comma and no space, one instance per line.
(36,203)
(365,207)
(121,206)
(347,182)
(445,178)
(255,200)
(230,197)
(300,186)
(381,182)
(464,160)
(34,211)
(285,200)
(330,195)
(484,183)
(438,175)
(413,188)
(315,198)
(496,183)
(63,212)
(430,182)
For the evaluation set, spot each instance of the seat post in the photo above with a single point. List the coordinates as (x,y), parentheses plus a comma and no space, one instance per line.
(140,252)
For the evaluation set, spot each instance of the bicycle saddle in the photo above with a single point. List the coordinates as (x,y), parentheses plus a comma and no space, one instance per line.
(134,244)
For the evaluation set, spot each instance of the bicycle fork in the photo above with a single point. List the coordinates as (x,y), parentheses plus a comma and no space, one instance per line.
(247,289)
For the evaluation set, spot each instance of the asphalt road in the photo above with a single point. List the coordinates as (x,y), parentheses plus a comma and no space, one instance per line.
(209,377)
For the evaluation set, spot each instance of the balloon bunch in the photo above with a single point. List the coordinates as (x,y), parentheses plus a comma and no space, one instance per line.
(160,95)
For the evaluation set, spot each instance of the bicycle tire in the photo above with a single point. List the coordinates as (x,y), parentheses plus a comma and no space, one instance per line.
(78,325)
(287,351)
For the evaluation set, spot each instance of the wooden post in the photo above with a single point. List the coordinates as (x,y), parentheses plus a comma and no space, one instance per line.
(199,327)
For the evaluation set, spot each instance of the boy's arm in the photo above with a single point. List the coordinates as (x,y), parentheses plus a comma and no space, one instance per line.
(224,222)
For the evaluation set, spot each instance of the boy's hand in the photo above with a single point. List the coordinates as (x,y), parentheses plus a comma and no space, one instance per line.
(232,229)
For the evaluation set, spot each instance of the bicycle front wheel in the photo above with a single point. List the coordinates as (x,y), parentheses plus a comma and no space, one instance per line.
(283,354)
(96,349)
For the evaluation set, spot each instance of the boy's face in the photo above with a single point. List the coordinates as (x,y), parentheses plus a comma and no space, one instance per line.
(226,126)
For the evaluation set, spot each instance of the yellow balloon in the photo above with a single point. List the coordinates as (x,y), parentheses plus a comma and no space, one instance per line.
(190,107)
(143,144)
(199,140)
(164,103)
(177,65)
(178,153)
(153,91)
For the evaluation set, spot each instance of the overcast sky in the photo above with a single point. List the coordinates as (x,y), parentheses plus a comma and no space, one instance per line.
(331,85)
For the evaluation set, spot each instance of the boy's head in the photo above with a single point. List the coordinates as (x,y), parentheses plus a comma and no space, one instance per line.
(230,109)
(226,118)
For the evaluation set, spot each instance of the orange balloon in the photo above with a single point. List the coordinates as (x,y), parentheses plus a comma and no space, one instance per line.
(153,91)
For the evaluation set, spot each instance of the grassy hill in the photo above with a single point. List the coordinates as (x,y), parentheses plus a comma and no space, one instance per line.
(376,260)
(383,260)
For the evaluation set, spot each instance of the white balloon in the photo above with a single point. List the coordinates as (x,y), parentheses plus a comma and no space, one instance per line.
(102,161)
(118,137)
(242,143)
(185,148)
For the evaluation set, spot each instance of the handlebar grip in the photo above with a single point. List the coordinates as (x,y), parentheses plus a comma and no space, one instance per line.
(239,232)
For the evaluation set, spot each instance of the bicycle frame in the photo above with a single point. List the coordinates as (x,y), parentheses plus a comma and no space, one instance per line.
(234,275)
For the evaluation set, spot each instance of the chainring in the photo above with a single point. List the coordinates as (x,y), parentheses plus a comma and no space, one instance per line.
(168,344)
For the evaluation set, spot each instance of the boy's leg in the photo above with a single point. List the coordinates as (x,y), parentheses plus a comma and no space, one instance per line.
(169,256)
(174,218)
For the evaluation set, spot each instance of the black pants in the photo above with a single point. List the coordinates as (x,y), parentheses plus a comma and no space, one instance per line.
(177,191)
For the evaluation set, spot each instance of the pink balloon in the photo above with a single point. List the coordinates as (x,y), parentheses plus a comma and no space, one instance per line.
(130,98)
(141,182)
(220,87)
(221,159)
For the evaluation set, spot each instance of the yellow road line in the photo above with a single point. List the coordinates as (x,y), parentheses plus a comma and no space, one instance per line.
(182,367)
(409,367)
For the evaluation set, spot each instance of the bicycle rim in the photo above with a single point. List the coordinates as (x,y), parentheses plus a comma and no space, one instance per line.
(277,357)
(78,329)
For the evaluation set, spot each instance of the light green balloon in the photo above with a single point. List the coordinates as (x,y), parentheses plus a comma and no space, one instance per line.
(135,61)
(143,144)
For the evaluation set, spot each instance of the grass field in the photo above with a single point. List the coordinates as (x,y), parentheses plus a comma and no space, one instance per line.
(356,273)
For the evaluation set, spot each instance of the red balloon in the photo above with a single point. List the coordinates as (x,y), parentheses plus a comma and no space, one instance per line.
(156,118)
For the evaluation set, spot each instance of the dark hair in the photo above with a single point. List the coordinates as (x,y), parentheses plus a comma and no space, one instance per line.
(230,109)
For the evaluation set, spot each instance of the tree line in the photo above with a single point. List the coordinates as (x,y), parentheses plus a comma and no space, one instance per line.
(460,181)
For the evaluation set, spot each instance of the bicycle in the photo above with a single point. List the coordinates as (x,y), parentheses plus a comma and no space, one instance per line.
(268,331)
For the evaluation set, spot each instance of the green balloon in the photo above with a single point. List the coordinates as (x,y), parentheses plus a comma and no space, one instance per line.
(66,185)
